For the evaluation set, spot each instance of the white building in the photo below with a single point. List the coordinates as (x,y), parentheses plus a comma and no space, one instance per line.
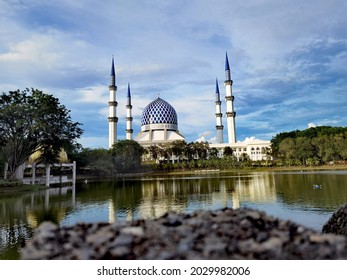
(254,149)
(159,123)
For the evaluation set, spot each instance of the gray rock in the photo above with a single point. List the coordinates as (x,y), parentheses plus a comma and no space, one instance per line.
(222,234)
(337,224)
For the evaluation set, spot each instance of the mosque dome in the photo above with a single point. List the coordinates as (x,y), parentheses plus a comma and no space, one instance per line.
(158,124)
(159,112)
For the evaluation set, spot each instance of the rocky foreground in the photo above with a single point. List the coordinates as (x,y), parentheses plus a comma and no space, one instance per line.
(224,234)
(337,223)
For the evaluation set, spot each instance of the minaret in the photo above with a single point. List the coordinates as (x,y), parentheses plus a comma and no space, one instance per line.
(129,118)
(219,115)
(229,103)
(112,104)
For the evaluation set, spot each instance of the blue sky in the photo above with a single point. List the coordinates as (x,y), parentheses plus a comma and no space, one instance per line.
(287,58)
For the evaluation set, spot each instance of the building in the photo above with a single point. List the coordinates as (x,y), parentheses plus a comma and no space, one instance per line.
(254,149)
(159,122)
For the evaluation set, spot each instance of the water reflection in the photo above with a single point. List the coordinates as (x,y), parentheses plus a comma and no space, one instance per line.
(285,195)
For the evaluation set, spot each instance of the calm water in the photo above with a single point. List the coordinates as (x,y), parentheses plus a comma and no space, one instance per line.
(288,195)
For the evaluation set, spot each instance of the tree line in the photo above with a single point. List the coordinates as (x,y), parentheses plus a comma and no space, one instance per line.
(312,146)
(127,156)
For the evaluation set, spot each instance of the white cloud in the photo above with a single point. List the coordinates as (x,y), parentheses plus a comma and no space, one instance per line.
(94,94)
(251,139)
(206,136)
(287,66)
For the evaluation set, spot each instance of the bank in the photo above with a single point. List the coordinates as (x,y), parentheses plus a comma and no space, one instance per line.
(8,187)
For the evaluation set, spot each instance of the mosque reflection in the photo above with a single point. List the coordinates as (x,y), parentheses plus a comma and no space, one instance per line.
(151,197)
(186,194)
(143,198)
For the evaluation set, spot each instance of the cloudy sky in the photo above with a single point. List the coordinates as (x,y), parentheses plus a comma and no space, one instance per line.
(288,60)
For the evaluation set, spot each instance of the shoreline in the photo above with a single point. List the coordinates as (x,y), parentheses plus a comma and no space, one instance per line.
(261,169)
(15,189)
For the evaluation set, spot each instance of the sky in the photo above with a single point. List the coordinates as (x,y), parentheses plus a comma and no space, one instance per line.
(288,61)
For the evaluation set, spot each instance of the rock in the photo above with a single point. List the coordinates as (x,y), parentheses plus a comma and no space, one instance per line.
(222,234)
(138,231)
(337,224)
(47,230)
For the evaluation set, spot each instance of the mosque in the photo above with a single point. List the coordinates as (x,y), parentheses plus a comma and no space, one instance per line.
(159,122)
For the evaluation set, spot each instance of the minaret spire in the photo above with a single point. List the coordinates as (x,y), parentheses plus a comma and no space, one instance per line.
(230,113)
(129,118)
(227,67)
(219,115)
(112,104)
(113,74)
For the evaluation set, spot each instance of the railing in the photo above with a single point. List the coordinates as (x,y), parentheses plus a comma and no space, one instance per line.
(47,179)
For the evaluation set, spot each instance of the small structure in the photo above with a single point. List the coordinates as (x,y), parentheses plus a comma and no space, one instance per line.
(33,165)
(47,179)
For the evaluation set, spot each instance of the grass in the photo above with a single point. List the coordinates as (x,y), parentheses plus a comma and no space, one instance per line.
(12,187)
(262,169)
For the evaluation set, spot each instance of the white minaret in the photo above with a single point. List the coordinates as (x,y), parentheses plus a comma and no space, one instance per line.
(112,104)
(229,103)
(219,115)
(129,118)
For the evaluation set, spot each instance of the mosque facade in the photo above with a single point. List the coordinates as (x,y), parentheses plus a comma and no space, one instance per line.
(159,122)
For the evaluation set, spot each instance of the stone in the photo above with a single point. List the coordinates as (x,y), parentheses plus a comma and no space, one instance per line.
(253,215)
(47,230)
(221,234)
(337,223)
(138,231)
(123,240)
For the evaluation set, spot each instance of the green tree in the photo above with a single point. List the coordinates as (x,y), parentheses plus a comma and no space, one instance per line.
(31,120)
(213,153)
(127,155)
(198,150)
(228,151)
(304,149)
(286,149)
(153,150)
(176,148)
(98,161)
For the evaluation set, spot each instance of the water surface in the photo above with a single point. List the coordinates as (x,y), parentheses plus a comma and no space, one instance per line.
(287,195)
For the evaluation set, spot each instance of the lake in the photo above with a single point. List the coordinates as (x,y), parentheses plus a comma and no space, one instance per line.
(287,195)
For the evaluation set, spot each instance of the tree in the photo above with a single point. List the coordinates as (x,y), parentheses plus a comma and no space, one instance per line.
(176,148)
(213,153)
(127,155)
(304,149)
(311,133)
(228,151)
(198,150)
(286,148)
(98,161)
(153,150)
(31,120)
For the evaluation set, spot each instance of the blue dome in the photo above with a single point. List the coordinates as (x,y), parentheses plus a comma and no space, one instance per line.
(159,112)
